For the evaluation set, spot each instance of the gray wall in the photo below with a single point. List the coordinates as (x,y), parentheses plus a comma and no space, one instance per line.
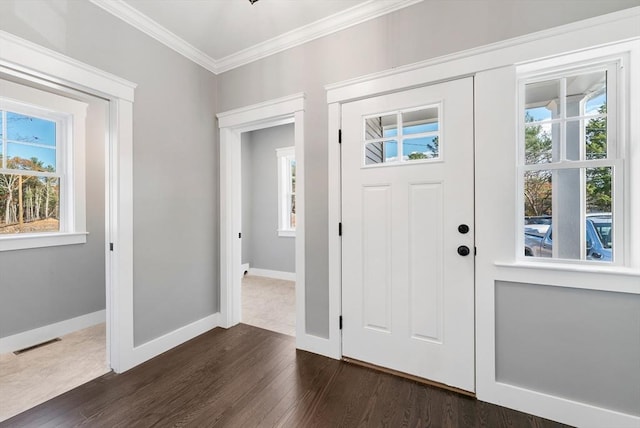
(175,156)
(262,248)
(578,344)
(419,32)
(47,285)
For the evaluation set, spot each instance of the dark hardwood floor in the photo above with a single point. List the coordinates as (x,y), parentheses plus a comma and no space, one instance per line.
(247,377)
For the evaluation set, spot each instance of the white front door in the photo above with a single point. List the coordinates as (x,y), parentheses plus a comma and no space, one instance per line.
(407,222)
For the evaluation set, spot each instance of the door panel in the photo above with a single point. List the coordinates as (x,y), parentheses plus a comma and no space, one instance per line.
(407,183)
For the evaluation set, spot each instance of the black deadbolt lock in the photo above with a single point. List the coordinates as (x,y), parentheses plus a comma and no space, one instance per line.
(463,250)
(463,228)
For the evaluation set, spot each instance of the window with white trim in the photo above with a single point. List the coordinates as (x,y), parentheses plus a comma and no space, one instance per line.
(286,191)
(41,168)
(571,163)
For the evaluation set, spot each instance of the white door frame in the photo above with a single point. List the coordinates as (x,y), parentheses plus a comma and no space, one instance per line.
(32,62)
(232,124)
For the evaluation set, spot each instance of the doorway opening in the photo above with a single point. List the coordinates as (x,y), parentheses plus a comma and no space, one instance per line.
(266,117)
(268,228)
(54,334)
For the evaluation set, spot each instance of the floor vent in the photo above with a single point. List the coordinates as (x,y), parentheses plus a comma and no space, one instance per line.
(39,345)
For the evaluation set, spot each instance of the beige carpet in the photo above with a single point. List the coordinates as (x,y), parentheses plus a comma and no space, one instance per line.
(269,303)
(36,376)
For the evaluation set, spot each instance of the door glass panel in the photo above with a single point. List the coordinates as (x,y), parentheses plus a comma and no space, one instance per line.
(420,121)
(380,127)
(380,152)
(419,137)
(421,148)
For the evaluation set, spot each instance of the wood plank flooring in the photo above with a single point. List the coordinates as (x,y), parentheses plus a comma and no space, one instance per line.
(250,377)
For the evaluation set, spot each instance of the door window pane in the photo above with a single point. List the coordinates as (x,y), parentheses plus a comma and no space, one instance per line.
(420,121)
(418,138)
(421,148)
(381,126)
(381,152)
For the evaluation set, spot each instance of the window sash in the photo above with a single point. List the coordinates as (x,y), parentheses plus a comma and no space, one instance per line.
(614,160)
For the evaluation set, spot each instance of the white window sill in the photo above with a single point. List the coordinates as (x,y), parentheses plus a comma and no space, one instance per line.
(588,276)
(287,233)
(40,240)
(582,266)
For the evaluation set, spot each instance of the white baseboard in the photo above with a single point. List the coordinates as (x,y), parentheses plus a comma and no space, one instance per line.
(276,274)
(51,331)
(157,346)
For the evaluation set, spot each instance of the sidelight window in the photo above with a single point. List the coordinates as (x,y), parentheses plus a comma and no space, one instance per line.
(571,164)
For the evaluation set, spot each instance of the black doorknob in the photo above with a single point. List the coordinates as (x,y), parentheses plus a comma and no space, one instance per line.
(463,228)
(463,250)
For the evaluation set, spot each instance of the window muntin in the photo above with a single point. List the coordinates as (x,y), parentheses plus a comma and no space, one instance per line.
(286,191)
(403,136)
(569,162)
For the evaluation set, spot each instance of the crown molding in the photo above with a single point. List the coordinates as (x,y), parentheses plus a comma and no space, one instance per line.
(331,24)
(142,22)
(353,16)
(625,22)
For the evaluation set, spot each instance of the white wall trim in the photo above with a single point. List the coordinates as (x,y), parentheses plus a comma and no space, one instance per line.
(347,18)
(504,56)
(29,61)
(332,24)
(157,346)
(42,334)
(232,123)
(275,274)
(248,118)
(59,68)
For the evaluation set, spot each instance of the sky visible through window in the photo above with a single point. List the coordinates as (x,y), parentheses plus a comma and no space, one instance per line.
(29,137)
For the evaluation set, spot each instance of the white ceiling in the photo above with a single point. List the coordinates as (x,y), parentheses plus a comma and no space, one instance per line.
(223,34)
